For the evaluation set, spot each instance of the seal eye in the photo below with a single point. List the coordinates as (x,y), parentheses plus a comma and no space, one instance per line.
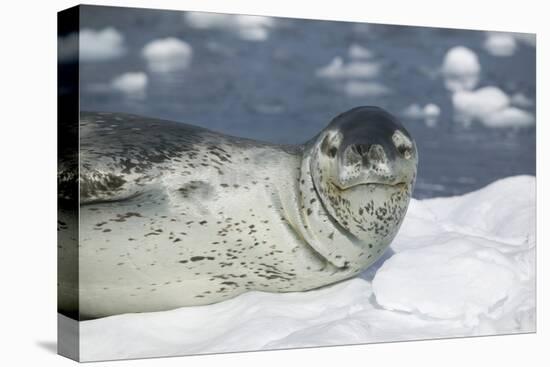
(403,144)
(330,144)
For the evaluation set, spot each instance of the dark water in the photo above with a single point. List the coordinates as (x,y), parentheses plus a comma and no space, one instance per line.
(269,90)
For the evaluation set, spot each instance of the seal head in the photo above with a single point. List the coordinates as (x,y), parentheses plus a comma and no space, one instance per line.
(363,167)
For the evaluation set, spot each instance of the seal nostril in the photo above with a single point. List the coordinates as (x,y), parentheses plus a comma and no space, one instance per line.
(376,154)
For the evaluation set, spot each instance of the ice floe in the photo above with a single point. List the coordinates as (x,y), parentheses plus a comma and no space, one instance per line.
(429,113)
(500,44)
(246,27)
(131,83)
(491,107)
(358,88)
(356,51)
(460,69)
(337,69)
(356,78)
(167,54)
(101,45)
(459,266)
(91,45)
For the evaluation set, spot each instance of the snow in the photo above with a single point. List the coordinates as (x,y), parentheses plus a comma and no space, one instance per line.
(131,83)
(101,45)
(490,106)
(459,266)
(246,27)
(167,54)
(460,69)
(500,44)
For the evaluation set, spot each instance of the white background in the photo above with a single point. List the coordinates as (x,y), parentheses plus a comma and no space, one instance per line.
(28,181)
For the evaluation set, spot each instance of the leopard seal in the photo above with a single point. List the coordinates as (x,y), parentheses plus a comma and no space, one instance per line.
(176,215)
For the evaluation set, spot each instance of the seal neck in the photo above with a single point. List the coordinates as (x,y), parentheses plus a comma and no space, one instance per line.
(319,229)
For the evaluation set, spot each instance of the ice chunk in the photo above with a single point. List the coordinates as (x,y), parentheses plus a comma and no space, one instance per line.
(500,44)
(92,45)
(167,54)
(131,83)
(429,113)
(337,69)
(521,100)
(356,51)
(491,107)
(246,27)
(510,117)
(356,88)
(480,103)
(460,69)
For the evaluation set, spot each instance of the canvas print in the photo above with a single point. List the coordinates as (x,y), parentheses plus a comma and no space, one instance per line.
(232,182)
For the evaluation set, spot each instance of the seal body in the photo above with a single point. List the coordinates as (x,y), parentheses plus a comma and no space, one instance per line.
(175,215)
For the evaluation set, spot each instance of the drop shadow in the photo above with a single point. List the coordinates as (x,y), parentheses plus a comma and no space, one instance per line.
(48,345)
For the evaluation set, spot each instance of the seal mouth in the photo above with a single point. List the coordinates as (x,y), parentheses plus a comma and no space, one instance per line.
(398,185)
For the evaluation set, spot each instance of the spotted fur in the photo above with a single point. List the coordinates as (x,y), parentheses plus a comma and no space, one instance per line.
(175,215)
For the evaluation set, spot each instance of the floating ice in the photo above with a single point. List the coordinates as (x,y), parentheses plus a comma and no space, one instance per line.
(480,103)
(101,45)
(246,27)
(91,45)
(462,266)
(460,69)
(500,44)
(429,113)
(202,20)
(357,88)
(521,100)
(510,117)
(491,107)
(131,83)
(167,54)
(337,69)
(356,51)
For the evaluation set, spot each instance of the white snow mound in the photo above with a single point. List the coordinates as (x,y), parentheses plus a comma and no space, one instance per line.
(459,266)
